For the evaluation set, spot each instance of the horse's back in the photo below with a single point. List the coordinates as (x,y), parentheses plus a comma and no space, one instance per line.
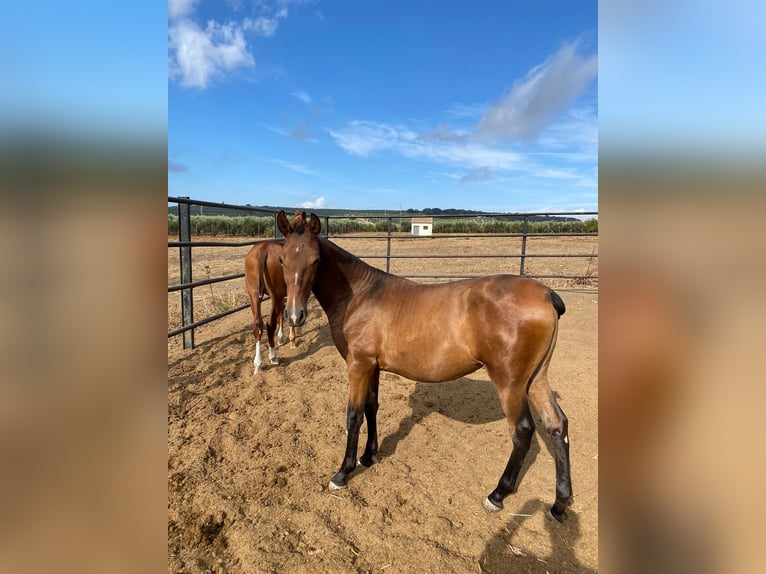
(445,331)
(480,300)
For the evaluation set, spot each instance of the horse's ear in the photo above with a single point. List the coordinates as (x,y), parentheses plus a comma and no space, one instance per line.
(283,225)
(315,226)
(303,216)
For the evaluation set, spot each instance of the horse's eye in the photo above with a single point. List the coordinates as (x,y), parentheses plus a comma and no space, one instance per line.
(317,261)
(281,262)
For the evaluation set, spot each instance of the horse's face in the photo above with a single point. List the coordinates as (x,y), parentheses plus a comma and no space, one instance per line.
(300,260)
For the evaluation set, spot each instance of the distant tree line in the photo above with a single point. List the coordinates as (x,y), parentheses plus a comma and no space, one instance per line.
(352,214)
(251,226)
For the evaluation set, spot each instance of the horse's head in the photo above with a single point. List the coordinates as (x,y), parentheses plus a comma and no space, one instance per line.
(300,259)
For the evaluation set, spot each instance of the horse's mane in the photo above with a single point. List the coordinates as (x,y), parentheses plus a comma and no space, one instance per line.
(347,258)
(299,222)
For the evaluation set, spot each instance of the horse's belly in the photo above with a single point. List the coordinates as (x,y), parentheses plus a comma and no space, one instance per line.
(431,366)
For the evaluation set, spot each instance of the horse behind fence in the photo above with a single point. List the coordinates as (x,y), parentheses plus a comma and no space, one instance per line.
(263,275)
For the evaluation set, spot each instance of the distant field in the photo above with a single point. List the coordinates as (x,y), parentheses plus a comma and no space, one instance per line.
(264,226)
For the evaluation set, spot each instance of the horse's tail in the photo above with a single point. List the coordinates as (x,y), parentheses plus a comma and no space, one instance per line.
(262,261)
(558,302)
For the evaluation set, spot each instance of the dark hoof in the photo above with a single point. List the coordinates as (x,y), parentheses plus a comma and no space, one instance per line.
(368,462)
(557,516)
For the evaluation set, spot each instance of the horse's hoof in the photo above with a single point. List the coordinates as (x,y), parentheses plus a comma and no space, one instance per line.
(334,486)
(367,464)
(275,361)
(491,506)
(551,516)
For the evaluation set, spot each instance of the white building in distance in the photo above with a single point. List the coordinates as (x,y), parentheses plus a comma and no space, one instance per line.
(422,226)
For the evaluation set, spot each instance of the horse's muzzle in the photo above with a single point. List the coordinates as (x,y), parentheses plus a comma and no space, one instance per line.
(295,318)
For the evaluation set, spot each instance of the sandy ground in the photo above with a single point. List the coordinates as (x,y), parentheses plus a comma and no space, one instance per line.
(249,457)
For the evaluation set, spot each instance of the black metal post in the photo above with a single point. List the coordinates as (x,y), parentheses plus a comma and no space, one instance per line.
(327,226)
(187,300)
(388,248)
(523,246)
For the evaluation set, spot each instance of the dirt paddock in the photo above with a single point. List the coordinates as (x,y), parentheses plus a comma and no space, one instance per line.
(250,457)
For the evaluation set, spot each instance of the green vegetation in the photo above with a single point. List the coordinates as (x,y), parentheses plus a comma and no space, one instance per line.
(250,226)
(225,225)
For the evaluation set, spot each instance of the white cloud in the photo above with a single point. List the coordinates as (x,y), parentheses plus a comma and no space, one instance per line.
(535,101)
(363,138)
(296,167)
(560,143)
(262,26)
(303,96)
(198,56)
(266,26)
(179,8)
(318,204)
(276,130)
(462,111)
(578,129)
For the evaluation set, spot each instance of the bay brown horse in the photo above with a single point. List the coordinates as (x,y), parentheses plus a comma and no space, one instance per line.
(380,322)
(263,274)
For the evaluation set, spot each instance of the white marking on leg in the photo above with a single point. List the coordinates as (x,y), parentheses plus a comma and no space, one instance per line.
(296,278)
(273,356)
(334,486)
(258,360)
(566,439)
(280,335)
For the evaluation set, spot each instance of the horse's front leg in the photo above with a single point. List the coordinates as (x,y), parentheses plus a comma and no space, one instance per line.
(359,379)
(281,332)
(271,328)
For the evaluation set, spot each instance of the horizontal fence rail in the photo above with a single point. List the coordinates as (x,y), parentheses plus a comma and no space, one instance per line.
(185,245)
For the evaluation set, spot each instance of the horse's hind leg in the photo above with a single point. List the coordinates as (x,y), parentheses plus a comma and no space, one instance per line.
(522,425)
(369,457)
(557,425)
(255,307)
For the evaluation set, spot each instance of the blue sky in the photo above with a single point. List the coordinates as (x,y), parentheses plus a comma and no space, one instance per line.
(359,105)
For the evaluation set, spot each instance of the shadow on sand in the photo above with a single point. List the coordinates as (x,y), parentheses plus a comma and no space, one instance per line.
(501,556)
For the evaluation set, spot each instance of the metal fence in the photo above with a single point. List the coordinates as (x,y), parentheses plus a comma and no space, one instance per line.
(185,245)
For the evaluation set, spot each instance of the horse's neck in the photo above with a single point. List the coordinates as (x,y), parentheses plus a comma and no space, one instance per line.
(342,275)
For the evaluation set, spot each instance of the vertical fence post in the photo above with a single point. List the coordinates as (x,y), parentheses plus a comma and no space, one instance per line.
(327,226)
(276,229)
(187,301)
(523,245)
(388,248)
